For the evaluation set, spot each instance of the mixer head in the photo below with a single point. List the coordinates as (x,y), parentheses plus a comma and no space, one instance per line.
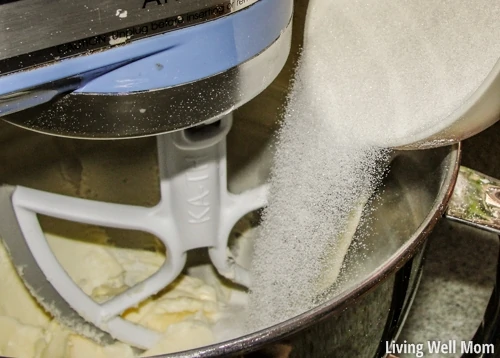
(105,70)
(134,67)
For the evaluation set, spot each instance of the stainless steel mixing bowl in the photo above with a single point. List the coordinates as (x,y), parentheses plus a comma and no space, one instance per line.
(380,278)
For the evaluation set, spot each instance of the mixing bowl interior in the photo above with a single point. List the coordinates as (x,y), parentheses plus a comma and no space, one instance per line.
(410,195)
(395,222)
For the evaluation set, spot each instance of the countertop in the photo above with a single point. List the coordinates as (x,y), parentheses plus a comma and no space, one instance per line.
(459,270)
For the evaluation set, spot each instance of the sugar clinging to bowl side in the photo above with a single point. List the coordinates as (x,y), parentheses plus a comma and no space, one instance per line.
(371,72)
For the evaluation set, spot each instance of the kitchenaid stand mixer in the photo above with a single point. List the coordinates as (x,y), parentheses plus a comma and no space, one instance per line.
(108,71)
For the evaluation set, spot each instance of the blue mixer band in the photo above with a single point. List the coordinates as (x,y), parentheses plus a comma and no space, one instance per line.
(169,59)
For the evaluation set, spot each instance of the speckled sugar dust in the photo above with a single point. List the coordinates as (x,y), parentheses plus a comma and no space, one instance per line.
(320,174)
(371,73)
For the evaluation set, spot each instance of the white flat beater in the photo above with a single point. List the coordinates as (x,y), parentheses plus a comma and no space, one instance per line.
(195,211)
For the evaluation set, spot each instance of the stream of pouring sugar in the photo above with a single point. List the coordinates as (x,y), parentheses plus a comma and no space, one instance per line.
(320,173)
(371,71)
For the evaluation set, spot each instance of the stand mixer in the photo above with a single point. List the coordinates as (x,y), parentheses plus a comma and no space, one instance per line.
(138,68)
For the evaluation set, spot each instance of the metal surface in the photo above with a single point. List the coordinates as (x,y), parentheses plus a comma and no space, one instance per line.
(39,31)
(476,200)
(151,112)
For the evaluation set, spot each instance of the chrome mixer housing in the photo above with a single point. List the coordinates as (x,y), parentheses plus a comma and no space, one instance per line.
(118,69)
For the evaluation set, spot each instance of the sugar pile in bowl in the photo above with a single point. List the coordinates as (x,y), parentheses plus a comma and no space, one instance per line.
(370,71)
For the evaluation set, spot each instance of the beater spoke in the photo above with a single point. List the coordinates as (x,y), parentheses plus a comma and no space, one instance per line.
(83,210)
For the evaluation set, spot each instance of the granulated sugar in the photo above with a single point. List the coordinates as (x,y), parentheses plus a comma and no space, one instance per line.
(371,72)
(321,175)
(398,69)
